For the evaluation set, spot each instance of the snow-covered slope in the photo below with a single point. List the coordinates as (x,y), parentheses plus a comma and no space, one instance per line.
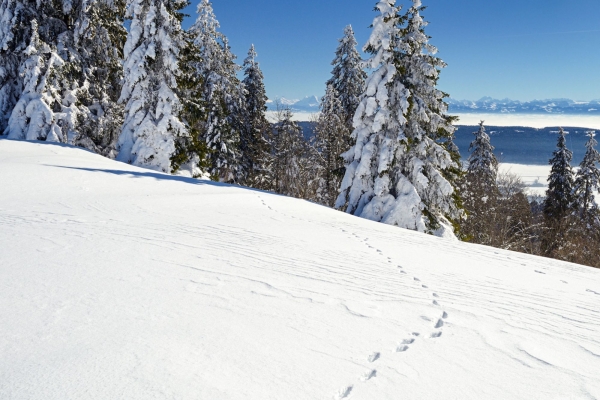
(122,283)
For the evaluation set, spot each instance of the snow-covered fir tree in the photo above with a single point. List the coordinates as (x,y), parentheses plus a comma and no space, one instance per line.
(348,77)
(403,167)
(77,49)
(559,196)
(33,117)
(223,96)
(331,140)
(95,72)
(483,164)
(289,149)
(480,191)
(151,68)
(257,137)
(587,181)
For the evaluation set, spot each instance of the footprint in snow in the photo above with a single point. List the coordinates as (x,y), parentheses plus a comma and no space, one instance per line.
(416,334)
(344,392)
(408,341)
(439,324)
(435,303)
(425,318)
(417,279)
(436,335)
(374,357)
(369,375)
(445,315)
(435,295)
(424,287)
(401,349)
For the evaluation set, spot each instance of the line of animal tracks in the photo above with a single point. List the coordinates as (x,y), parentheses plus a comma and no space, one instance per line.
(406,342)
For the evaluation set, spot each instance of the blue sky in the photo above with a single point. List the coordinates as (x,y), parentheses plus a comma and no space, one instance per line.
(518,49)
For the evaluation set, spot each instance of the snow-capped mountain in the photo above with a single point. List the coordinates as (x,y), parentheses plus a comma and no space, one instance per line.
(309,104)
(552,106)
(486,105)
(115,284)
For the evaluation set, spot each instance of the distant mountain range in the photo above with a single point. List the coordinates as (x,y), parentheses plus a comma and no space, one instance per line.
(506,106)
(486,105)
(310,104)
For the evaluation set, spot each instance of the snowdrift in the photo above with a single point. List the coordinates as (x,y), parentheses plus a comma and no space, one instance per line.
(123,283)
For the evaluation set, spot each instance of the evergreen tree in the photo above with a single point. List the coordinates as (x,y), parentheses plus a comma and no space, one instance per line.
(76,45)
(16,18)
(559,196)
(190,149)
(483,164)
(403,167)
(152,107)
(348,77)
(223,96)
(95,74)
(289,148)
(559,205)
(587,182)
(480,191)
(33,117)
(331,141)
(256,141)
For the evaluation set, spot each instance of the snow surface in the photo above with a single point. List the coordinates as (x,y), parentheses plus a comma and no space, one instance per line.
(530,120)
(535,177)
(123,283)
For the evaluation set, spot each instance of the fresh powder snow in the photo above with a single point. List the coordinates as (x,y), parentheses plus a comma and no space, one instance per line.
(118,282)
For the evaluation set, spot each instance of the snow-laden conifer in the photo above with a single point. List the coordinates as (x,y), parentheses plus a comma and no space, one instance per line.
(481,193)
(150,79)
(12,43)
(348,77)
(222,94)
(33,117)
(257,137)
(289,150)
(97,40)
(482,161)
(332,138)
(402,169)
(559,196)
(587,181)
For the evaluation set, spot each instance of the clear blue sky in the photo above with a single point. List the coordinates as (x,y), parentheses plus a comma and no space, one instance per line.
(518,49)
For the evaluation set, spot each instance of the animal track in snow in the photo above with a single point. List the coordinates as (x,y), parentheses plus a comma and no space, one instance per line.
(344,392)
(423,317)
(436,335)
(424,287)
(374,357)
(435,303)
(408,341)
(417,279)
(439,324)
(445,315)
(369,375)
(416,334)
(435,295)
(401,348)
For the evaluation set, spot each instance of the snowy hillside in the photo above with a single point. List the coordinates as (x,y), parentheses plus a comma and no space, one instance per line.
(122,283)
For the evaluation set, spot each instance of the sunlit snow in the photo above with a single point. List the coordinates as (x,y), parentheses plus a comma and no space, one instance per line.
(123,283)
